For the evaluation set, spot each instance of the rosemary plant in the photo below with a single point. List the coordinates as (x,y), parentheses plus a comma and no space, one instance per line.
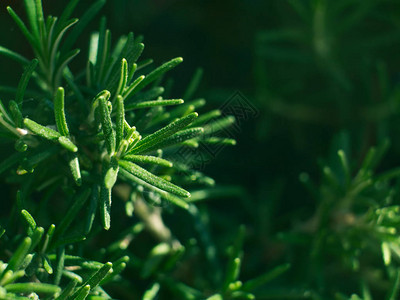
(353,232)
(89,148)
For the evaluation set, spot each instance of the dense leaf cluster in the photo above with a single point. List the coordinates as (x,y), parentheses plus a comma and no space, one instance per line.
(84,138)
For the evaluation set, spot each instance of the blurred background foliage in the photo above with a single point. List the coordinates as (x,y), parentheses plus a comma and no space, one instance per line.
(323,74)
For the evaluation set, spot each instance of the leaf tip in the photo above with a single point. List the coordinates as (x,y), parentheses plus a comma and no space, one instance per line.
(108,264)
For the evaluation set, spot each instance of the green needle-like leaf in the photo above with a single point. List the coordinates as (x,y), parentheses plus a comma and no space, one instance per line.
(64,61)
(153,179)
(67,144)
(60,113)
(82,293)
(153,103)
(373,157)
(75,169)
(152,292)
(204,118)
(30,8)
(106,124)
(345,165)
(66,13)
(40,18)
(25,263)
(124,77)
(68,290)
(23,83)
(47,265)
(176,138)
(155,258)
(120,122)
(29,219)
(53,43)
(67,240)
(50,29)
(174,199)
(36,237)
(146,159)
(132,70)
(152,93)
(11,277)
(158,72)
(234,262)
(59,265)
(41,130)
(116,270)
(132,51)
(48,237)
(15,56)
(18,256)
(111,174)
(4,115)
(114,57)
(105,206)
(217,140)
(23,28)
(218,125)
(130,90)
(73,276)
(34,287)
(163,133)
(232,272)
(97,277)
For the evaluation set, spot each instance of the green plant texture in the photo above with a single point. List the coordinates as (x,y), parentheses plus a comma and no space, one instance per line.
(95,148)
(335,75)
(119,181)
